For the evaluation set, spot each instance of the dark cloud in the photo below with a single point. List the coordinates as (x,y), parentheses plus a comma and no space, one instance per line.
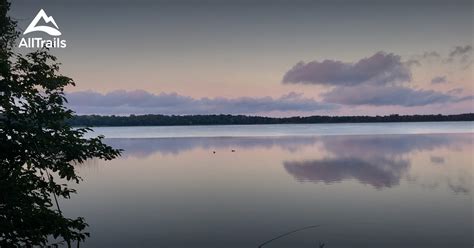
(388,95)
(142,102)
(419,59)
(460,51)
(376,80)
(370,81)
(431,54)
(379,69)
(439,80)
(460,54)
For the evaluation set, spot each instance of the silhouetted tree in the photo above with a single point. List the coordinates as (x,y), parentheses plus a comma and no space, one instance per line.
(38,148)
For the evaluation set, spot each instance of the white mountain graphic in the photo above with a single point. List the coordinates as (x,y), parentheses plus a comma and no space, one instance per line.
(47,19)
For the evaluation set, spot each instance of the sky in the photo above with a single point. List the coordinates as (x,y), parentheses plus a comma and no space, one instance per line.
(273,58)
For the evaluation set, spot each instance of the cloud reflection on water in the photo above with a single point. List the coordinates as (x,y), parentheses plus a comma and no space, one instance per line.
(379,172)
(381,161)
(175,146)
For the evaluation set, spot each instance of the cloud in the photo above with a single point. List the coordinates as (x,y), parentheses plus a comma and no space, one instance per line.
(388,95)
(379,69)
(456,91)
(412,62)
(431,54)
(461,54)
(428,56)
(142,102)
(439,80)
(460,51)
(458,56)
(379,80)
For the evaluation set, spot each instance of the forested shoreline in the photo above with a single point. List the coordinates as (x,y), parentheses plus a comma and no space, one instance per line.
(189,120)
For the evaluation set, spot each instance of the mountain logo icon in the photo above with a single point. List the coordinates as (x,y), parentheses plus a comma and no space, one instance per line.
(47,29)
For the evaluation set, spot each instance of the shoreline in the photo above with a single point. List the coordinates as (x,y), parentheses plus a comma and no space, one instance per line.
(226,120)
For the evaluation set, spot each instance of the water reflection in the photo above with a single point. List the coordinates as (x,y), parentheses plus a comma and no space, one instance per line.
(175,192)
(381,161)
(175,146)
(379,172)
(377,160)
(391,145)
(363,145)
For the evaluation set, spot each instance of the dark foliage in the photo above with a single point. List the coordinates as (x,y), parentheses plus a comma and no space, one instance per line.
(173,120)
(38,148)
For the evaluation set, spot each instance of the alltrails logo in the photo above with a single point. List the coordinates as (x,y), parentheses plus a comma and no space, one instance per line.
(38,42)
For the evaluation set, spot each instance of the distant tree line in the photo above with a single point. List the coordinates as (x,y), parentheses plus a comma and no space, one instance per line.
(175,120)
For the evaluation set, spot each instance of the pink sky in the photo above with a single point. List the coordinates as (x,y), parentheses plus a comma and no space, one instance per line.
(357,58)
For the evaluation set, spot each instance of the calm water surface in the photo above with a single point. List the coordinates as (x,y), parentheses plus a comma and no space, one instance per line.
(284,130)
(410,189)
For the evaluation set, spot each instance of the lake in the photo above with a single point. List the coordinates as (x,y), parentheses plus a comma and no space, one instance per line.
(358,185)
